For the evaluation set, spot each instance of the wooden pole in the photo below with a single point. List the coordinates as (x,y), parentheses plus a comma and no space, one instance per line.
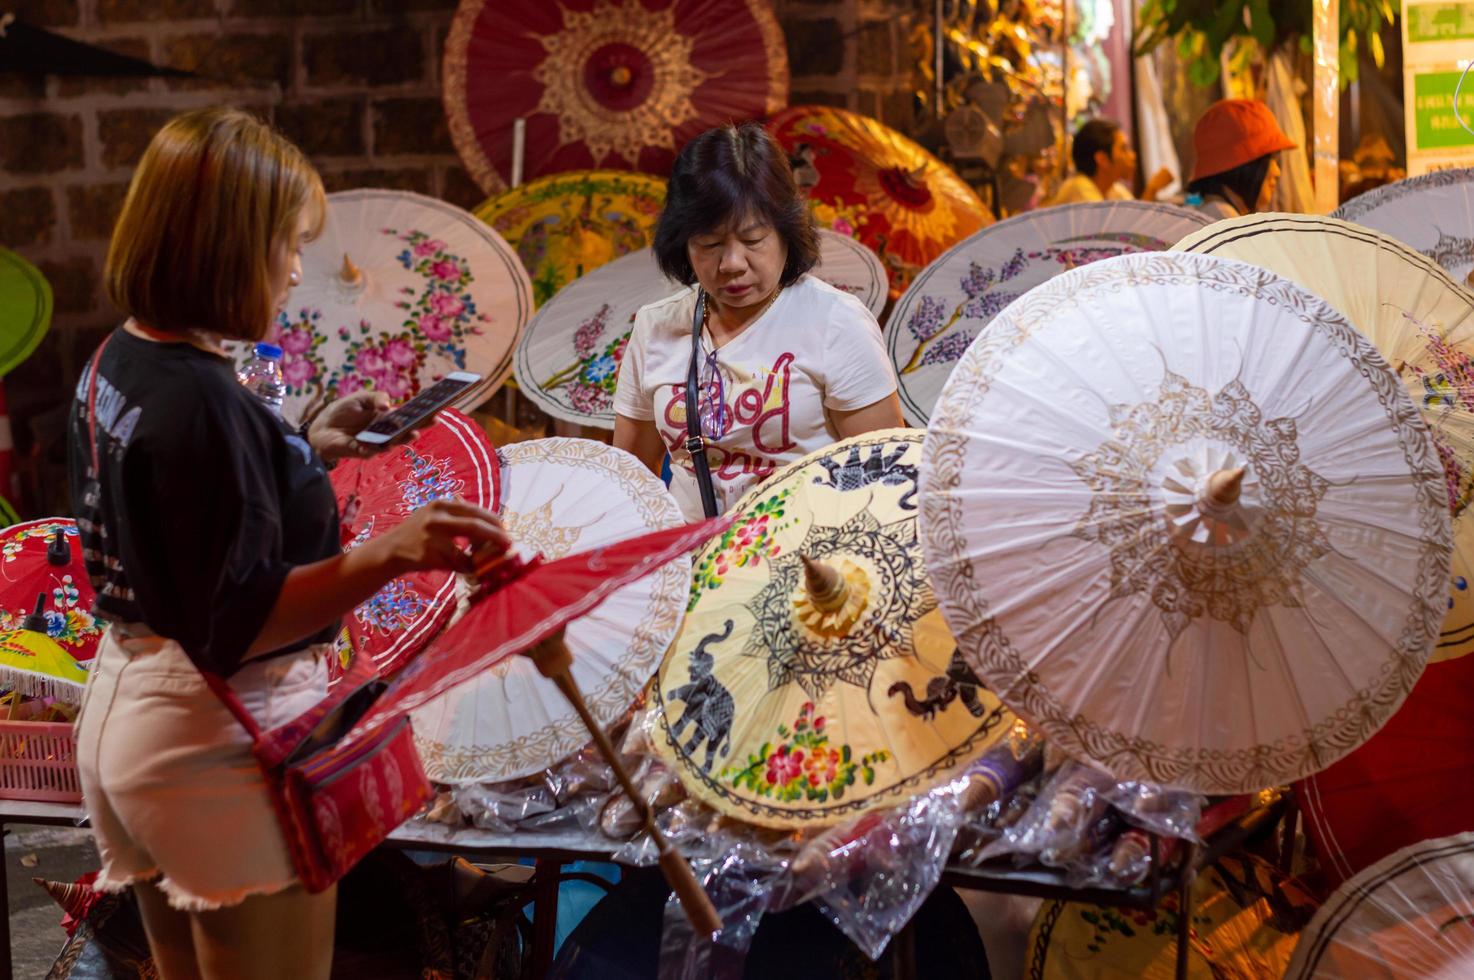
(555,663)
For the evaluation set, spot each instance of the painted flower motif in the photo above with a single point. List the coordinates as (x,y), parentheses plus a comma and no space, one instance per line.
(46,531)
(950,348)
(740,546)
(977,279)
(66,595)
(926,322)
(371,361)
(447,304)
(430,479)
(784,766)
(589,382)
(1013,266)
(400,353)
(446,271)
(589,332)
(295,341)
(822,766)
(988,305)
(397,386)
(428,247)
(588,399)
(298,372)
(434,328)
(392,608)
(600,368)
(803,765)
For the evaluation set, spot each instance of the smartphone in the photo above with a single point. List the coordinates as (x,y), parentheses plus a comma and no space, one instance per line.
(396,421)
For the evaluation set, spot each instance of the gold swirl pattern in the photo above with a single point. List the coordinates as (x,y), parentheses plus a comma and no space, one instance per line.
(605,130)
(1184,581)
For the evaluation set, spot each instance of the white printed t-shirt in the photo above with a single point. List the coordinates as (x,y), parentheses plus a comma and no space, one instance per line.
(815,348)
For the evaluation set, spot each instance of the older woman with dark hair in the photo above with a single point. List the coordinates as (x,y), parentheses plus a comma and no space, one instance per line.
(785,364)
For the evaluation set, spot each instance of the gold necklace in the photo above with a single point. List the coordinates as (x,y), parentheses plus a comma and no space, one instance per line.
(706,313)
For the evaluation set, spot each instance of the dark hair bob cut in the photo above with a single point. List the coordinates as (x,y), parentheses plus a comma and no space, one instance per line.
(727,172)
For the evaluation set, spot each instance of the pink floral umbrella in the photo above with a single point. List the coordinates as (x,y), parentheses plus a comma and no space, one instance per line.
(398,291)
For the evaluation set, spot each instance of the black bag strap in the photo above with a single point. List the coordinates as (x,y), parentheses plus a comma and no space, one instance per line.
(695,442)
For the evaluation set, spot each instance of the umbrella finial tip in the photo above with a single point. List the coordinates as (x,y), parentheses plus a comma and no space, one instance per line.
(824,584)
(349,273)
(1224,486)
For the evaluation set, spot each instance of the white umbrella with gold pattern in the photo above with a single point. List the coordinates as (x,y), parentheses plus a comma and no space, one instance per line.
(1184,519)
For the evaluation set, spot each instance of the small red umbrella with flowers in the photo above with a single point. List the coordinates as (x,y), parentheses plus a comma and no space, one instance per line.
(452,458)
(42,574)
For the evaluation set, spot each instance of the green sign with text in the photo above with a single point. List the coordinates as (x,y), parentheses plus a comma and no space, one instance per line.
(1439,22)
(1433,110)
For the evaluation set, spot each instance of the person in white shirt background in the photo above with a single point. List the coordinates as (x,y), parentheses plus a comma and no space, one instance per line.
(788,364)
(1105,164)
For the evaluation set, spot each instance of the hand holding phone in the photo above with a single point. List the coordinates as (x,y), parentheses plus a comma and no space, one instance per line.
(395,422)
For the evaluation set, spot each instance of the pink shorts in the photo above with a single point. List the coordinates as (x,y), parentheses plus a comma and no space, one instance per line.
(167,774)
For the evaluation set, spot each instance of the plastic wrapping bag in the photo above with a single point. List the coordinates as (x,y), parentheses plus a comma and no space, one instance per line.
(1071,803)
(744,883)
(1070,850)
(870,882)
(1170,813)
(501,807)
(1123,861)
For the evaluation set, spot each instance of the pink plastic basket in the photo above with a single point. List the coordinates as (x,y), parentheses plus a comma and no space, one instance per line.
(38,761)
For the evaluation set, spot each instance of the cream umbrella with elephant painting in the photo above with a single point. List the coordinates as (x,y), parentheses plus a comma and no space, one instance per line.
(813,678)
(398,291)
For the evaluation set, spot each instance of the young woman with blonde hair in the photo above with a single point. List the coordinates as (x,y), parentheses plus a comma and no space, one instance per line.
(211,534)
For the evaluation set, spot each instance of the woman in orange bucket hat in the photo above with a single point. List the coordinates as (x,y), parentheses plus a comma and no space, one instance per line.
(1235,170)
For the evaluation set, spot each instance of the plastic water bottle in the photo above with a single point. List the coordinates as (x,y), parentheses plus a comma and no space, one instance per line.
(262,376)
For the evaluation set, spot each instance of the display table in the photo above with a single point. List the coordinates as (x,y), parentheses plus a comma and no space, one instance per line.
(552,851)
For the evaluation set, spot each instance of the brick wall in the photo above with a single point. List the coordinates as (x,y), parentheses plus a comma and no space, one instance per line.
(355,82)
(852,54)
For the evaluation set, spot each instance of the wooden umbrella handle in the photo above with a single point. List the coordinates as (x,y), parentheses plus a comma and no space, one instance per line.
(554,662)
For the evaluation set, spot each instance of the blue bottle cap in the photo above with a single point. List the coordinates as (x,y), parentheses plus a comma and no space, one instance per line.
(269,351)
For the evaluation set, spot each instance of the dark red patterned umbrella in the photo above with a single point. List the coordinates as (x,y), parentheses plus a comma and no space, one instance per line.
(452,458)
(618,84)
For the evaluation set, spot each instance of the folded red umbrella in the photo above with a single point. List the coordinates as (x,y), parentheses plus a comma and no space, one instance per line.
(451,458)
(1413,780)
(522,607)
(522,603)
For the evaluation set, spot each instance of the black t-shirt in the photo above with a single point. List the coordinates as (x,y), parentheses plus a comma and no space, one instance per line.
(205,499)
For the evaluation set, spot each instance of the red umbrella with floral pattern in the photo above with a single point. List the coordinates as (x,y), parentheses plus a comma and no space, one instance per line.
(868,181)
(398,291)
(41,571)
(619,84)
(451,458)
